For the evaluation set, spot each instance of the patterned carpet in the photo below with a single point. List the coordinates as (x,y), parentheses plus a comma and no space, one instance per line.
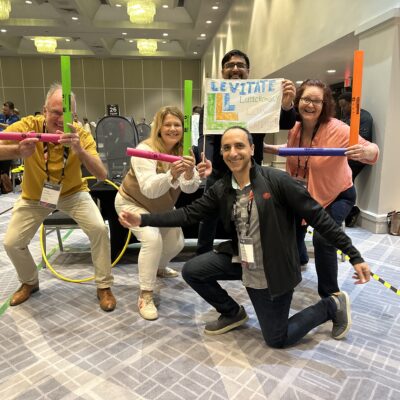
(60,345)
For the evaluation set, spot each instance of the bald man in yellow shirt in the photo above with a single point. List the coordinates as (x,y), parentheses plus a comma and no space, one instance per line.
(53,179)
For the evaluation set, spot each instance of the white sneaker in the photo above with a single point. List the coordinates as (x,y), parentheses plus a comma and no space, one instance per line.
(167,272)
(146,306)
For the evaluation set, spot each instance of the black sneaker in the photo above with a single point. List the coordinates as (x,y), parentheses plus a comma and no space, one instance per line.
(224,324)
(342,319)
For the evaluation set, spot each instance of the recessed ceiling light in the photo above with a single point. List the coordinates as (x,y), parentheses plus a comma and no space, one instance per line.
(331,71)
(214,7)
(131,41)
(118,5)
(208,22)
(203,35)
(164,41)
(165,6)
(165,34)
(299,82)
(67,40)
(195,52)
(28,2)
(75,18)
(124,33)
(3,30)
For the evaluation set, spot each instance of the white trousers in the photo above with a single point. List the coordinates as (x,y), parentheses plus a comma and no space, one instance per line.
(28,215)
(158,245)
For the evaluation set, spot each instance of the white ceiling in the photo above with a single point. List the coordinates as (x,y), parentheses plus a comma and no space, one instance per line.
(337,56)
(99,32)
(99,29)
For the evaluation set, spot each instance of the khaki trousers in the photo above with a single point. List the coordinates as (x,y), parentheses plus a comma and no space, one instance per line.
(28,215)
(158,245)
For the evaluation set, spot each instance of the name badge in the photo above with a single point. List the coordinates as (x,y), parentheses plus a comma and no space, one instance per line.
(50,195)
(247,252)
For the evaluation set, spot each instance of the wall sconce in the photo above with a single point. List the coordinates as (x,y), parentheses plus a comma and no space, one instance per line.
(5,8)
(141,11)
(45,44)
(147,47)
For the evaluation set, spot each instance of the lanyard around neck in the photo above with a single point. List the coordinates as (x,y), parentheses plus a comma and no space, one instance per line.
(46,149)
(316,127)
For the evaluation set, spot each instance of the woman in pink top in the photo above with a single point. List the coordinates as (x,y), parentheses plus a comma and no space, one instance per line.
(328,178)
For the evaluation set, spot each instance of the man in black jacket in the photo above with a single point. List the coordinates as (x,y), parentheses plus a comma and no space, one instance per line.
(236,65)
(258,206)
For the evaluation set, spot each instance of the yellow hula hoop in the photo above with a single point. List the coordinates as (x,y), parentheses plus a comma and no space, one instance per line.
(64,278)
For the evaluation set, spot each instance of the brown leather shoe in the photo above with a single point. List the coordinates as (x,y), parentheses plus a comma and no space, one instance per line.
(23,293)
(107,299)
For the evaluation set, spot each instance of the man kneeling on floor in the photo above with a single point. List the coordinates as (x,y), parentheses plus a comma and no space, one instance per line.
(258,205)
(53,179)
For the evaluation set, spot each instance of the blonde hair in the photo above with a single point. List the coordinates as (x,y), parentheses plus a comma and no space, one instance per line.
(155,141)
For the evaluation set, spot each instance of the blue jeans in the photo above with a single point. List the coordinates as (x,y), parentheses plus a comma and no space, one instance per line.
(325,254)
(203,272)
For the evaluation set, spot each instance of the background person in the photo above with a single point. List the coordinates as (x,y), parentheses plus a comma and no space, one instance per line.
(7,118)
(86,125)
(366,122)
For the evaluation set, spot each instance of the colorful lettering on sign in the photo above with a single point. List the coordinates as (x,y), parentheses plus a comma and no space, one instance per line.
(223,108)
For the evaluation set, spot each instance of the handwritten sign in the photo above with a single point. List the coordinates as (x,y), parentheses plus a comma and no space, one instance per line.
(251,103)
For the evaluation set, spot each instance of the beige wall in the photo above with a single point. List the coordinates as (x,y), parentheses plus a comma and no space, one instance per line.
(139,87)
(275,33)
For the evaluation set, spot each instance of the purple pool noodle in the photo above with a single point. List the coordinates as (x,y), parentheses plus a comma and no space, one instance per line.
(311,151)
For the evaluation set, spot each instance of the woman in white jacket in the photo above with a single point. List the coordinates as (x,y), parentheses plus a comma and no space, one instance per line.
(152,186)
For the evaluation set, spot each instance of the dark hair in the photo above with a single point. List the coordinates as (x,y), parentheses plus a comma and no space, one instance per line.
(249,137)
(233,53)
(9,104)
(328,106)
(346,96)
(197,109)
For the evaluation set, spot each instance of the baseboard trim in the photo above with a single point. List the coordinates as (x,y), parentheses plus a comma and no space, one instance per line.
(375,223)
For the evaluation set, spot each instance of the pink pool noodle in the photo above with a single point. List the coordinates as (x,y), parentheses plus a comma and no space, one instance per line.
(43,137)
(151,155)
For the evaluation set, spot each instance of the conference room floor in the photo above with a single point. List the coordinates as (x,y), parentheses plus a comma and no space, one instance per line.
(60,345)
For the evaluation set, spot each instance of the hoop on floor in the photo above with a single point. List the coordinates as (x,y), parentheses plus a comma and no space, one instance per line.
(64,278)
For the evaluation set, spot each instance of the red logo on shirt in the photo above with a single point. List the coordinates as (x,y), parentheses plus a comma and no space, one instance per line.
(266,196)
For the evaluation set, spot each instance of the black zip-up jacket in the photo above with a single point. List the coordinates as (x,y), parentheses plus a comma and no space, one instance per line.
(278,198)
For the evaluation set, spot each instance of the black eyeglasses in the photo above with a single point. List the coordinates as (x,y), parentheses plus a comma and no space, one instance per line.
(238,65)
(307,100)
